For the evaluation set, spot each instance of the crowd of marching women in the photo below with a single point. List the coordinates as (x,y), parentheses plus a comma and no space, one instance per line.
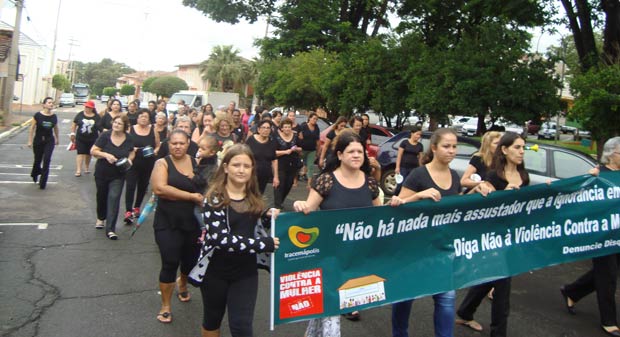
(209,170)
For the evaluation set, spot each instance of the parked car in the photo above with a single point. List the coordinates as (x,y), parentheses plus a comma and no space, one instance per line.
(568,129)
(548,163)
(547,131)
(470,127)
(104,98)
(67,99)
(459,122)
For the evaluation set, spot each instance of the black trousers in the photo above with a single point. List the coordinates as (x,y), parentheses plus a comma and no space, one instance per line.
(602,279)
(287,178)
(138,177)
(177,248)
(238,296)
(500,308)
(42,159)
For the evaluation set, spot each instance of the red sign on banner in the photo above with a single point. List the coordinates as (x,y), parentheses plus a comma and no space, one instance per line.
(301,293)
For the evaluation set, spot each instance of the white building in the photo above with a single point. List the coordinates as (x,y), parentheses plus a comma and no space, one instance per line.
(34,72)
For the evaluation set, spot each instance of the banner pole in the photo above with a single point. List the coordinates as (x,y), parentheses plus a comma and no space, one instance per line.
(272,274)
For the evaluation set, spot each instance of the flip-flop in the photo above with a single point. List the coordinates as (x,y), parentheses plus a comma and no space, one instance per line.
(352,316)
(78,174)
(167,317)
(470,324)
(86,172)
(184,296)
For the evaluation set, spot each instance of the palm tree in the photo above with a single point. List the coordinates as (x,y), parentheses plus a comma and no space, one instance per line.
(224,69)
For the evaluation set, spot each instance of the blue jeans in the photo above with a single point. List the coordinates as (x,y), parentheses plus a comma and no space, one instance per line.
(443,316)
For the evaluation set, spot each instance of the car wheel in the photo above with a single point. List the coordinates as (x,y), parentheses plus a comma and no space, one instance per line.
(388,182)
(540,137)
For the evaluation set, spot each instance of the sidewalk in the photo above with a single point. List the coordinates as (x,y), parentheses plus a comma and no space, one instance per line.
(17,120)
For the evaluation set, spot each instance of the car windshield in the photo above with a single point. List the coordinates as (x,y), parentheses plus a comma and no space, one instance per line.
(66,96)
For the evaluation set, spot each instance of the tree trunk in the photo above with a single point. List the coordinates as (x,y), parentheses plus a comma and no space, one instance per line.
(611,33)
(581,27)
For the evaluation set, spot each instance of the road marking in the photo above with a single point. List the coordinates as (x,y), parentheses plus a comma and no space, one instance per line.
(23,174)
(40,225)
(28,166)
(23,182)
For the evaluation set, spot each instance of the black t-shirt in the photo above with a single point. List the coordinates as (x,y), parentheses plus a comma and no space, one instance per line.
(233,266)
(133,118)
(239,133)
(86,130)
(105,123)
(410,158)
(336,196)
(310,137)
(481,169)
(103,169)
(420,179)
(500,184)
(45,127)
(365,134)
(286,161)
(264,153)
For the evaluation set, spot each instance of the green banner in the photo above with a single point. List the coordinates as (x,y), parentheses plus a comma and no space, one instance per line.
(332,262)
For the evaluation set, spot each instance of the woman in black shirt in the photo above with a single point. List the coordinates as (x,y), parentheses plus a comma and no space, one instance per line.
(479,163)
(288,160)
(341,124)
(109,149)
(507,173)
(84,133)
(603,276)
(309,136)
(42,138)
(264,149)
(409,153)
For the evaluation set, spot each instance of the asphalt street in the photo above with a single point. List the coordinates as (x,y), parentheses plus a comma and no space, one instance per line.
(62,277)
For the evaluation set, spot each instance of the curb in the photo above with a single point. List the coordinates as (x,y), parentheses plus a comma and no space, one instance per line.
(14,130)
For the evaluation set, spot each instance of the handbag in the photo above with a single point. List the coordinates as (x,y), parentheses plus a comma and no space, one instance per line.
(197,274)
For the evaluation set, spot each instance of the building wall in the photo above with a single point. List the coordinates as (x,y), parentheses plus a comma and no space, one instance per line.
(191,75)
(33,70)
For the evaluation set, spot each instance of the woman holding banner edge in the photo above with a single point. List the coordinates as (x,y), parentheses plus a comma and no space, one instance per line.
(507,172)
(433,180)
(602,278)
(345,182)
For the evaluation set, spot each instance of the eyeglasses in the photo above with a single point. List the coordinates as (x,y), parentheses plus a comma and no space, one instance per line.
(265,127)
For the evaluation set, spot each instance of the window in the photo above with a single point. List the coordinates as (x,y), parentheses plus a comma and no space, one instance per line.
(536,162)
(569,165)
(378,136)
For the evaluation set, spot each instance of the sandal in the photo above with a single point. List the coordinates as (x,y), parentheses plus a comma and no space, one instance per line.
(164,317)
(78,174)
(86,172)
(352,316)
(470,324)
(112,236)
(183,296)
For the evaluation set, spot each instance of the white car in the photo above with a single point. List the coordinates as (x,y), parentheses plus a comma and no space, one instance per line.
(67,99)
(470,127)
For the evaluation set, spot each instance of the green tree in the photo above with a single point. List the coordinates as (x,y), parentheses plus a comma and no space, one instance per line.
(128,90)
(61,83)
(165,86)
(110,91)
(225,69)
(598,103)
(103,74)
(146,85)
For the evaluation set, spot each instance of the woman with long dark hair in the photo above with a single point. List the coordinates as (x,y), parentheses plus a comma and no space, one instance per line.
(344,183)
(234,215)
(341,124)
(309,136)
(42,138)
(603,277)
(434,179)
(206,127)
(111,149)
(409,153)
(507,173)
(176,228)
(146,143)
(114,110)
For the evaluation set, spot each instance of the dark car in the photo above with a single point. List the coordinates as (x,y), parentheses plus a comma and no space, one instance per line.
(389,150)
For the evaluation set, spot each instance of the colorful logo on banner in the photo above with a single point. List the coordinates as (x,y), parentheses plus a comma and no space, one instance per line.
(301,293)
(303,237)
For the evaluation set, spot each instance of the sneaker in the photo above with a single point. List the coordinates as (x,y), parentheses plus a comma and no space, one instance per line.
(99,224)
(128,218)
(136,212)
(112,236)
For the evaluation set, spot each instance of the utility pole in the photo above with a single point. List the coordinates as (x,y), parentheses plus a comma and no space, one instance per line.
(53,60)
(72,42)
(13,55)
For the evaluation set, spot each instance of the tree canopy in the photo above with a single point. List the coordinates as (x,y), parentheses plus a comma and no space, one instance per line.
(165,86)
(226,70)
(101,74)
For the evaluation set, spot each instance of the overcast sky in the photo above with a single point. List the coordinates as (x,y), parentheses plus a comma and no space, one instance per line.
(144,34)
